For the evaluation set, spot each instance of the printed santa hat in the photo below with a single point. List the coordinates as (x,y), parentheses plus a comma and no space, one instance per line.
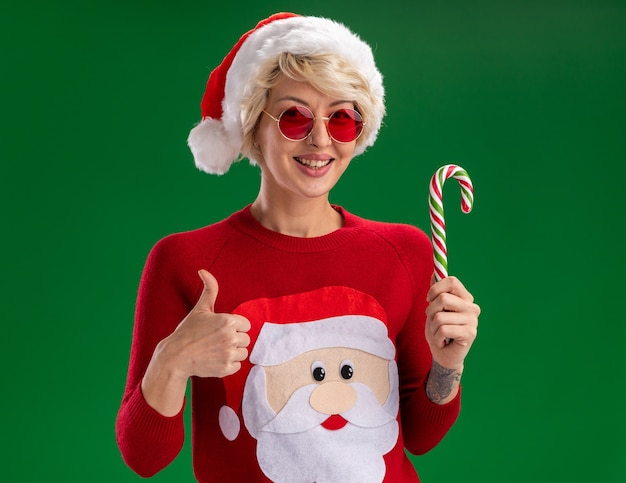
(217,140)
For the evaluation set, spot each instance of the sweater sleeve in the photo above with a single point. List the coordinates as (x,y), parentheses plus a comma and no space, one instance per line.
(149,441)
(424,423)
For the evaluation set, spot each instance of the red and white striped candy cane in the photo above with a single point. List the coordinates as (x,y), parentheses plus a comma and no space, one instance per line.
(435,203)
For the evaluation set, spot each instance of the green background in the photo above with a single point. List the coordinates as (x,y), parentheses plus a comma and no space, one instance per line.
(96,101)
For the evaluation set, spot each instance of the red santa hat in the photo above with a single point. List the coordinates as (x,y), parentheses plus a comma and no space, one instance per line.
(217,140)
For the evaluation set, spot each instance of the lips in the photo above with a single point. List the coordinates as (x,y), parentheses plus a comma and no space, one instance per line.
(334,422)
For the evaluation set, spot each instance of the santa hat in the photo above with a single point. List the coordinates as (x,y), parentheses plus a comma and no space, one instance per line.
(217,140)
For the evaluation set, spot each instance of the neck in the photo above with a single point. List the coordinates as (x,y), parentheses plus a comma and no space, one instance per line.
(301,218)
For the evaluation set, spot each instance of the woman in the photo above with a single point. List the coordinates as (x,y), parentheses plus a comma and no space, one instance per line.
(321,332)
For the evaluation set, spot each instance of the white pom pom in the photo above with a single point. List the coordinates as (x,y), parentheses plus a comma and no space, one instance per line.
(229,423)
(212,151)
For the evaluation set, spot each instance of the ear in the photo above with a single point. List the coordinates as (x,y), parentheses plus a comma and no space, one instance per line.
(256,154)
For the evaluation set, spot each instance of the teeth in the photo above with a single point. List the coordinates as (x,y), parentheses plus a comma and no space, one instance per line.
(311,163)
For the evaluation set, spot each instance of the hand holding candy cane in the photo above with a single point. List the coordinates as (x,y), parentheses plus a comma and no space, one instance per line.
(452,315)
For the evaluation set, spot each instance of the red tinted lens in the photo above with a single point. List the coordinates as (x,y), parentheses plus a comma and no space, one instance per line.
(296,123)
(345,125)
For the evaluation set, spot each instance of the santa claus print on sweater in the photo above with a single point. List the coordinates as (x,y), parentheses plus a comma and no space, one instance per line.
(321,394)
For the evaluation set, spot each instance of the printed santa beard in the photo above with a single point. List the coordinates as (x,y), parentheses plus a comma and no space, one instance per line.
(293,446)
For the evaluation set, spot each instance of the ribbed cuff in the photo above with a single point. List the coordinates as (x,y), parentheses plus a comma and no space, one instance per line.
(425,423)
(147,421)
(439,414)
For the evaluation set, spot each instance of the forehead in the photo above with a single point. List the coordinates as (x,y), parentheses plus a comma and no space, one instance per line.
(288,91)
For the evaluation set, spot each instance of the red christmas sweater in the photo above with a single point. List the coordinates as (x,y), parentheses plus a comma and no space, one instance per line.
(334,387)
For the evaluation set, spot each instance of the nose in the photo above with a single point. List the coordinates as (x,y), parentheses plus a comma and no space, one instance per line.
(319,135)
(333,397)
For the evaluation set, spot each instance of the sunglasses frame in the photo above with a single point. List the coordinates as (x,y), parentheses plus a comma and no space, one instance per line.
(313,119)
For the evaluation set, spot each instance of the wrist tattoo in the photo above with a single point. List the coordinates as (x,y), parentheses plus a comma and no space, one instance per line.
(440,382)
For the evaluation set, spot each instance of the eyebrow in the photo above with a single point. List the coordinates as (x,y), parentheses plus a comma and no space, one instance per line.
(302,101)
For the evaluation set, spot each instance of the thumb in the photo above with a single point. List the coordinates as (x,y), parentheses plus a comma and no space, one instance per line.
(429,294)
(209,294)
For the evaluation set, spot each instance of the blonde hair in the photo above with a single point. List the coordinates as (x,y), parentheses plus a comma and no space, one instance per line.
(328,73)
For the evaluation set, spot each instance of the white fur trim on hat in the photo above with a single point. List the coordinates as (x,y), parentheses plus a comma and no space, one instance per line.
(279,343)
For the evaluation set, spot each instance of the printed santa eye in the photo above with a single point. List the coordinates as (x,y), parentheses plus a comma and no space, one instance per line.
(318,370)
(347,369)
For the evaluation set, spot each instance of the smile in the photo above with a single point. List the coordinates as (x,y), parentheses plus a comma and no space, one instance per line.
(313,163)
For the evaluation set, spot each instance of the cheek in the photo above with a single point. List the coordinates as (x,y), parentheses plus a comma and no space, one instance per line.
(346,151)
(272,151)
(374,373)
(268,137)
(282,381)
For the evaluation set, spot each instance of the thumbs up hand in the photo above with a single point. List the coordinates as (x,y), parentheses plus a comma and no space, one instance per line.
(205,344)
(209,344)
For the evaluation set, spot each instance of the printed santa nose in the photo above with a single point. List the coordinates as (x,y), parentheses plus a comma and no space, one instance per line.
(333,397)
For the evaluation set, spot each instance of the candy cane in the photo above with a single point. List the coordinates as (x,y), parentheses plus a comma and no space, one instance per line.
(435,203)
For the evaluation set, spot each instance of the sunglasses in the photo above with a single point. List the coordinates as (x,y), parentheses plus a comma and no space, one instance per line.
(296,123)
